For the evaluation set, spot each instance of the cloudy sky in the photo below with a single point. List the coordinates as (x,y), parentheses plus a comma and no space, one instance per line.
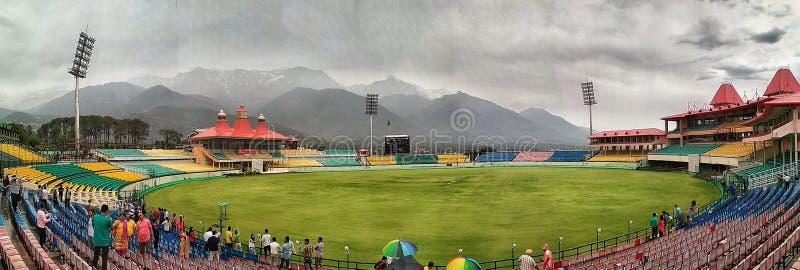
(647,58)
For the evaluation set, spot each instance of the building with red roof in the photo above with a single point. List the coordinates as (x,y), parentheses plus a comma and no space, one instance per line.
(626,145)
(238,146)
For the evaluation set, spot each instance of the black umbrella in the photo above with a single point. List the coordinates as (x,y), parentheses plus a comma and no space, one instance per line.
(404,263)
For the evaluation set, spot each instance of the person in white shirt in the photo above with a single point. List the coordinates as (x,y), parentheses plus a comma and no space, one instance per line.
(274,249)
(207,235)
(91,227)
(265,242)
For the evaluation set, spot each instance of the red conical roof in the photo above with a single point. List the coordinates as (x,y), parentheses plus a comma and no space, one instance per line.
(783,82)
(726,95)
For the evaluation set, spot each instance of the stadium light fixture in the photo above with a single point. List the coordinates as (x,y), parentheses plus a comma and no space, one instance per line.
(513,248)
(371,110)
(560,238)
(587,88)
(460,252)
(83,53)
(629,231)
(347,253)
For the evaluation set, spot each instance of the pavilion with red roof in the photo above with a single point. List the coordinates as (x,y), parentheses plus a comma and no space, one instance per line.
(626,145)
(239,146)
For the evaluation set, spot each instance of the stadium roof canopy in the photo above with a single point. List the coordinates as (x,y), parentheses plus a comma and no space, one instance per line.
(783,82)
(720,109)
(629,132)
(241,128)
(726,95)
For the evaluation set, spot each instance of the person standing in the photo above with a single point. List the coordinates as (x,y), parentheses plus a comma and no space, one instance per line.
(143,232)
(526,262)
(179,223)
(67,196)
(183,245)
(192,239)
(251,244)
(6,184)
(654,226)
(40,196)
(237,242)
(208,234)
(380,264)
(123,230)
(212,245)
(101,227)
(90,228)
(229,237)
(15,188)
(547,258)
(430,265)
(274,250)
(692,210)
(318,253)
(286,253)
(265,242)
(662,227)
(42,218)
(307,252)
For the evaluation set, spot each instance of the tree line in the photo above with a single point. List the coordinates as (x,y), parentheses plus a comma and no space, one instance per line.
(97,130)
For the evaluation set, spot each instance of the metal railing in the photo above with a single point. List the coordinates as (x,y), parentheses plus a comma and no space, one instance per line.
(770,176)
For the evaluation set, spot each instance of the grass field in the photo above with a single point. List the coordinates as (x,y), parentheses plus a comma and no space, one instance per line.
(481,210)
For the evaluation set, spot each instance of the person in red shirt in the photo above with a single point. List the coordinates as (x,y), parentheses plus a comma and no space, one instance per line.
(662,227)
(547,258)
(144,229)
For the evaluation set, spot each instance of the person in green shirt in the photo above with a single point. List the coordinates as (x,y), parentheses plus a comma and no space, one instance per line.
(101,224)
(237,244)
(654,226)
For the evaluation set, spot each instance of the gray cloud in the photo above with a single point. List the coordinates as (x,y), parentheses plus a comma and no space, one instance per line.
(707,34)
(782,11)
(741,72)
(769,37)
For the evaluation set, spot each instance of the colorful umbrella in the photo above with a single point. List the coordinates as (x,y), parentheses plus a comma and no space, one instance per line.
(463,263)
(399,248)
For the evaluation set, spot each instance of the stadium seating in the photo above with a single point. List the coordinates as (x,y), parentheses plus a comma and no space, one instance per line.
(780,160)
(299,152)
(382,160)
(451,158)
(415,159)
(686,149)
(189,167)
(620,156)
(339,161)
(299,162)
(21,153)
(335,152)
(154,170)
(165,152)
(568,156)
(497,157)
(98,166)
(124,176)
(531,156)
(220,156)
(737,149)
(121,152)
(731,124)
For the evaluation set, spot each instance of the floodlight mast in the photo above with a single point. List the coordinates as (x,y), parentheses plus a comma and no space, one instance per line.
(83,53)
(587,88)
(371,110)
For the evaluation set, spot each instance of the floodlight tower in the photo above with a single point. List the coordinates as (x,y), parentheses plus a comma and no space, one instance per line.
(372,109)
(587,88)
(79,66)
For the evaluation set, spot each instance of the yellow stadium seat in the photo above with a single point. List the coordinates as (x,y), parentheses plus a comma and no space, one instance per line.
(97,166)
(165,152)
(620,156)
(451,158)
(125,176)
(189,167)
(382,160)
(21,153)
(737,149)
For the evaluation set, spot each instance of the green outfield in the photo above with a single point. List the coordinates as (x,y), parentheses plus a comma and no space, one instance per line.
(480,210)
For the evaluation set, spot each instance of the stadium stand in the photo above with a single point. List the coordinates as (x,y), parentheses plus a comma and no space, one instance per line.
(154,170)
(737,149)
(220,156)
(754,169)
(299,162)
(568,156)
(299,152)
(451,158)
(686,149)
(97,166)
(731,124)
(382,160)
(30,174)
(21,153)
(188,167)
(165,152)
(124,176)
(701,127)
(111,153)
(620,156)
(781,159)
(415,159)
(743,233)
(533,156)
(496,157)
(339,161)
(335,152)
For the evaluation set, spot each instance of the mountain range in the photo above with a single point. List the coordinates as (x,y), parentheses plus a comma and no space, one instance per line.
(309,104)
